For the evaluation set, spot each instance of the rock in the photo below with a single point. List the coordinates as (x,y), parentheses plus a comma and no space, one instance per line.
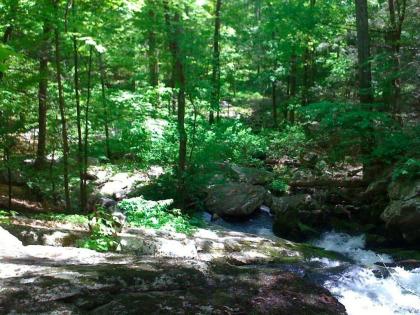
(296,216)
(235,199)
(402,215)
(54,280)
(252,176)
(121,185)
(8,241)
(93,161)
(293,203)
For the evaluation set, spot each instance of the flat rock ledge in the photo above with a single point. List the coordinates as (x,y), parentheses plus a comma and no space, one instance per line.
(41,279)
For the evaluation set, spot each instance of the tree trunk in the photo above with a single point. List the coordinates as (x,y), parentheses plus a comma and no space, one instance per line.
(180,84)
(215,96)
(86,144)
(393,39)
(61,103)
(172,48)
(105,107)
(274,103)
(42,99)
(293,84)
(152,51)
(363,52)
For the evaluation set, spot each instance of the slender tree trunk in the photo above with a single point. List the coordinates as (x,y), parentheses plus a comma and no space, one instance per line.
(215,96)
(180,84)
(395,7)
(79,125)
(363,52)
(105,107)
(274,102)
(61,103)
(293,84)
(86,144)
(172,48)
(42,98)
(152,51)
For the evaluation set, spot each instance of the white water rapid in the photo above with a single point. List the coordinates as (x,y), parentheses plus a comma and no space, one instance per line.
(364,292)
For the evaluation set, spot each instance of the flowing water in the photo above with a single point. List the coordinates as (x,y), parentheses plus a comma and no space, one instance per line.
(364,287)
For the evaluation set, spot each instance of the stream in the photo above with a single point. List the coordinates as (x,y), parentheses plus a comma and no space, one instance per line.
(363,287)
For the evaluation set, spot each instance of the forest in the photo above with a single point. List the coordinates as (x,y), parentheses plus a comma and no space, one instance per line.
(209,157)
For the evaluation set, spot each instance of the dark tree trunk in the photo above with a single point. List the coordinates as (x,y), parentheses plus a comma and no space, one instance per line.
(105,107)
(42,99)
(292,84)
(86,144)
(152,51)
(363,52)
(397,9)
(62,107)
(274,103)
(215,96)
(172,48)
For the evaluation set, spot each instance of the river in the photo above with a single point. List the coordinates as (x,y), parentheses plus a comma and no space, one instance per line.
(364,285)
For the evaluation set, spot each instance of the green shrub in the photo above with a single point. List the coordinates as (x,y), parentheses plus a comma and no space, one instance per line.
(156,214)
(103,232)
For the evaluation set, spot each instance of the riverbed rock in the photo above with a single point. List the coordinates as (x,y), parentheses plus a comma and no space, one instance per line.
(235,199)
(66,280)
(296,216)
(402,215)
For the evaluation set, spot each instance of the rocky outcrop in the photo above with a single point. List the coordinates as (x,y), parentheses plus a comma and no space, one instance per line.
(402,215)
(296,215)
(235,199)
(54,280)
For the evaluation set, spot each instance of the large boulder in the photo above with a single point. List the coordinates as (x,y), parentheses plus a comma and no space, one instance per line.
(235,199)
(402,215)
(296,215)
(121,185)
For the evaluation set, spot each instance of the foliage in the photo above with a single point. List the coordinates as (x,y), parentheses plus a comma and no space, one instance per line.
(408,169)
(157,215)
(5,216)
(103,232)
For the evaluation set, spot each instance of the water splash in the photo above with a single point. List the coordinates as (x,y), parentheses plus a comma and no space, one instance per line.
(360,290)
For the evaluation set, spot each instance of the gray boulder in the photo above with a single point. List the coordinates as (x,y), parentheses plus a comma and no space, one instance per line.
(403,212)
(235,199)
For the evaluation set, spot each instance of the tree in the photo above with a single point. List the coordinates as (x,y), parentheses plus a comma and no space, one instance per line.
(363,52)
(62,107)
(215,96)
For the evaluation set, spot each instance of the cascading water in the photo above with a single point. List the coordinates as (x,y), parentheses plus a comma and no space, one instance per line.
(364,287)
(362,290)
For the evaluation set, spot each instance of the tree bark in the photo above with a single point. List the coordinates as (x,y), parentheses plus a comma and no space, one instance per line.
(363,52)
(152,51)
(397,9)
(86,144)
(292,84)
(274,102)
(215,96)
(105,107)
(62,107)
(42,99)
